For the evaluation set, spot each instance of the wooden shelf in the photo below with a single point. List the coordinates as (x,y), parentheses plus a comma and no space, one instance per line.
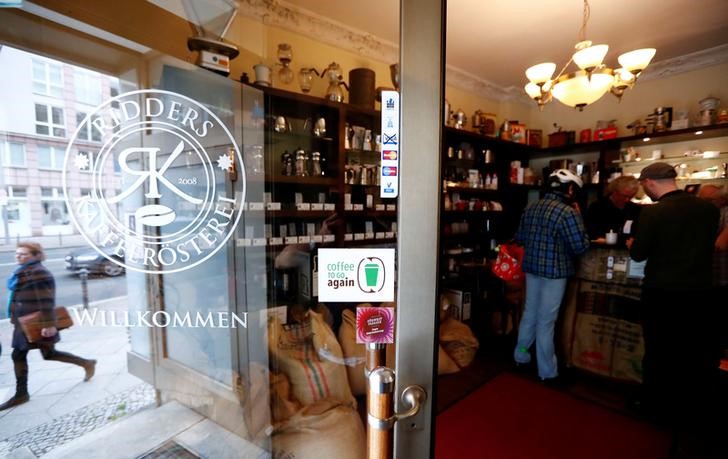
(302,138)
(524,186)
(494,142)
(469,236)
(358,151)
(370,242)
(679,135)
(466,189)
(673,159)
(586,147)
(471,213)
(369,213)
(296,180)
(293,213)
(300,98)
(359,185)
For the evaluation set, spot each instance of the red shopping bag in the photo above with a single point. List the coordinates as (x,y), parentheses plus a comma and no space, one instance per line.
(507,264)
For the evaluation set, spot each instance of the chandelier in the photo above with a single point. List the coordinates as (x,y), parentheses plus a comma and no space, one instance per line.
(593,79)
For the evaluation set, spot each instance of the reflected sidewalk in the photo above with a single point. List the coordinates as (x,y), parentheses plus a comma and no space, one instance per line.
(62,407)
(48,242)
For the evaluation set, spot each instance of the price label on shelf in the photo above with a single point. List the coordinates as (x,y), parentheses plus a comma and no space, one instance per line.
(389,179)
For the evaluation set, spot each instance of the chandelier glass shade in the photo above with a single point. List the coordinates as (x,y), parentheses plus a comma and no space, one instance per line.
(580,89)
(593,79)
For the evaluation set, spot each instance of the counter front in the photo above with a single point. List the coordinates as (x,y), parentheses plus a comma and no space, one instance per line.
(601,330)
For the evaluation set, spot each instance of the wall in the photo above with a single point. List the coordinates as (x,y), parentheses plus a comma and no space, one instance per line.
(682,92)
(161,30)
(14,93)
(469,103)
(306,53)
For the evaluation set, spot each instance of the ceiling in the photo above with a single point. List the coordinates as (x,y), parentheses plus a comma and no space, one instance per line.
(496,40)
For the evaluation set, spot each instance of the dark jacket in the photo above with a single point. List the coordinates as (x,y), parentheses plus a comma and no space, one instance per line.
(35,291)
(676,237)
(603,216)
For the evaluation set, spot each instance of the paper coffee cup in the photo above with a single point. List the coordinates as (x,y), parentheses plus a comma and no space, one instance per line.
(611,238)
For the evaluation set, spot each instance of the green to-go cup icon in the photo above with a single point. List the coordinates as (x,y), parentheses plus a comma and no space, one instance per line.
(371,271)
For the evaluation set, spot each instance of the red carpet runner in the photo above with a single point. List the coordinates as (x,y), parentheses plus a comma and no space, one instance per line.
(512,418)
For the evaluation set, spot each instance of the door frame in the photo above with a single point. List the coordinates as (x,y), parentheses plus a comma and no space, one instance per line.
(422,57)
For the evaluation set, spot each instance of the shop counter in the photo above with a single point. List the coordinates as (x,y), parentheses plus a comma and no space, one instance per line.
(600,328)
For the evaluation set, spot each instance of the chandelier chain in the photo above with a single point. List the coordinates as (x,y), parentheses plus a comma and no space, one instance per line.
(592,79)
(584,20)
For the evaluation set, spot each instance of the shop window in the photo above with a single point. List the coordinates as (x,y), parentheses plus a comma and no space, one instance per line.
(17,207)
(47,78)
(87,131)
(54,207)
(13,211)
(114,91)
(88,87)
(13,154)
(17,192)
(50,157)
(117,113)
(49,121)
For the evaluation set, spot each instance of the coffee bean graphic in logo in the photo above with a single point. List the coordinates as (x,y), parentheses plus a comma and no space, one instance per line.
(155,215)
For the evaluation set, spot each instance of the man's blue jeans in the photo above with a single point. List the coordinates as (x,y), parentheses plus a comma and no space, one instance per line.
(543,299)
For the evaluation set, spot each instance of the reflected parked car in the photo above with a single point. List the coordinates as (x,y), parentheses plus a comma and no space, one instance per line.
(94,262)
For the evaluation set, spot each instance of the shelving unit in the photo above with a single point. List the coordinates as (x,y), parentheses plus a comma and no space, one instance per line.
(463,150)
(288,207)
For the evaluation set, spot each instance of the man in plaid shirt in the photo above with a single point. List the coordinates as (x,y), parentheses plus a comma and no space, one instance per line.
(553,234)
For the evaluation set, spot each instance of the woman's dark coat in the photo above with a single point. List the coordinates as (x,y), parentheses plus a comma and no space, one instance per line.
(35,291)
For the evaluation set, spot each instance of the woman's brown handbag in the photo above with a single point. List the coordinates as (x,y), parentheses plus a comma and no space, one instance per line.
(32,324)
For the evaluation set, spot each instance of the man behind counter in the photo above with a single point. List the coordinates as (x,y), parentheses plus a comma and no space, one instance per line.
(614,210)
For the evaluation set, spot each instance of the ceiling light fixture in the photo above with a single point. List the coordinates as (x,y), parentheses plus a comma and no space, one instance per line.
(593,79)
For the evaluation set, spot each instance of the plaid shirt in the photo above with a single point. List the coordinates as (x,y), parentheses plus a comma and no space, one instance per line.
(552,233)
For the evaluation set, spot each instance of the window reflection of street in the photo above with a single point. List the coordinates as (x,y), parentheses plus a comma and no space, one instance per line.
(68,284)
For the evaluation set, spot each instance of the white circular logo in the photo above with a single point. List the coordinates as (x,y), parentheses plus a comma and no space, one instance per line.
(168,181)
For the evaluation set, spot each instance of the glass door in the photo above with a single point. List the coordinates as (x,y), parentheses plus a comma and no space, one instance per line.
(201,175)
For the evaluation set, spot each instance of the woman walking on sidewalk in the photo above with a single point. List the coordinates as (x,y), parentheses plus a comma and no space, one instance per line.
(31,288)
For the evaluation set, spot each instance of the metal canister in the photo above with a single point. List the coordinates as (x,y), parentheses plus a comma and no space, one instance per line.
(286,163)
(361,88)
(316,164)
(301,166)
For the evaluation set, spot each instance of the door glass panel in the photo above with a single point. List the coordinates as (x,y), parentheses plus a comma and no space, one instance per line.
(182,211)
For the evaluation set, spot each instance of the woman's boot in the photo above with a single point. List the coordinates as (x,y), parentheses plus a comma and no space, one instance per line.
(21,386)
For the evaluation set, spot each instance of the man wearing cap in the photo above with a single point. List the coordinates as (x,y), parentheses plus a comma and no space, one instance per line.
(676,237)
